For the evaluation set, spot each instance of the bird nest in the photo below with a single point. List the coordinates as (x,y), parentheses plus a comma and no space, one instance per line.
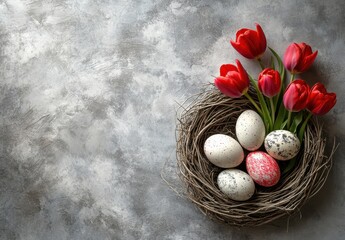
(211,112)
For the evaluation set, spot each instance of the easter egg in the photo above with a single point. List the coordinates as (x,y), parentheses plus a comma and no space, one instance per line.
(236,184)
(250,130)
(223,151)
(263,168)
(282,144)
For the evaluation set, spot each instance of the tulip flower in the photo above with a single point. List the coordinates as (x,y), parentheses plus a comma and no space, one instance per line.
(298,57)
(296,95)
(233,80)
(250,43)
(320,101)
(269,82)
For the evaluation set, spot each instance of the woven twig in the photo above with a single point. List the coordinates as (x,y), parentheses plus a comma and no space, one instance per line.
(211,112)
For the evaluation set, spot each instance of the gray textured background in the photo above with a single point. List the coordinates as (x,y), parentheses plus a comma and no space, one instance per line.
(88,93)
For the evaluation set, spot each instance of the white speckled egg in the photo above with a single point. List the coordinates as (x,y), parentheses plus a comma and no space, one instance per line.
(282,144)
(250,130)
(223,151)
(236,184)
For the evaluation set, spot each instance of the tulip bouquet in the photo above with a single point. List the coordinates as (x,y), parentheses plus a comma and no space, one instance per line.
(281,105)
(244,166)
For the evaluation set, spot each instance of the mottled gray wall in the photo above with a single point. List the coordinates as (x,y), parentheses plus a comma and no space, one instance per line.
(88,93)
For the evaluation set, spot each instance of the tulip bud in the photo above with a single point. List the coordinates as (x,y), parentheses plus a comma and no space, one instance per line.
(298,57)
(250,43)
(320,101)
(233,81)
(296,96)
(269,82)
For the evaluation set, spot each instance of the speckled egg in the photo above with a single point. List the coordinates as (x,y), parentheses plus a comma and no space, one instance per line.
(236,184)
(223,151)
(263,168)
(250,130)
(282,144)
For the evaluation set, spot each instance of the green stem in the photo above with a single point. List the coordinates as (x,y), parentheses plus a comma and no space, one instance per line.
(273,111)
(289,119)
(264,109)
(253,102)
(261,64)
(292,77)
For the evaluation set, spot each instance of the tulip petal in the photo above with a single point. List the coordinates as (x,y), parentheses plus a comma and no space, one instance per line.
(240,32)
(320,101)
(306,50)
(319,87)
(324,104)
(225,68)
(292,56)
(262,38)
(226,86)
(296,96)
(243,74)
(269,82)
(250,43)
(251,39)
(332,100)
(302,46)
(308,61)
(242,49)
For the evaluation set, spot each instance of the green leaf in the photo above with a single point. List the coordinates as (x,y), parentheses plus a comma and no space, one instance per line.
(266,111)
(291,164)
(266,114)
(280,63)
(282,126)
(272,63)
(296,121)
(281,116)
(281,71)
(304,125)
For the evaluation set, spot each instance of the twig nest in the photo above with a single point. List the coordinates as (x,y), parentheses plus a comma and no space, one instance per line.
(209,113)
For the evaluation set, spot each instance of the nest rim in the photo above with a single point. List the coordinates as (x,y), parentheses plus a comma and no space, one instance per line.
(211,112)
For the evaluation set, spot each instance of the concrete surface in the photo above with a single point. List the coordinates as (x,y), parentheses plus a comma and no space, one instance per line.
(88,93)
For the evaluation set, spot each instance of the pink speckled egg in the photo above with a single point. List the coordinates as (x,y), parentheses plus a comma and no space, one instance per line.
(263,168)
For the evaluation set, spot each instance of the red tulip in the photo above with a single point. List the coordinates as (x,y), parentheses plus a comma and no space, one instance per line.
(250,43)
(296,96)
(269,82)
(320,101)
(233,81)
(298,57)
